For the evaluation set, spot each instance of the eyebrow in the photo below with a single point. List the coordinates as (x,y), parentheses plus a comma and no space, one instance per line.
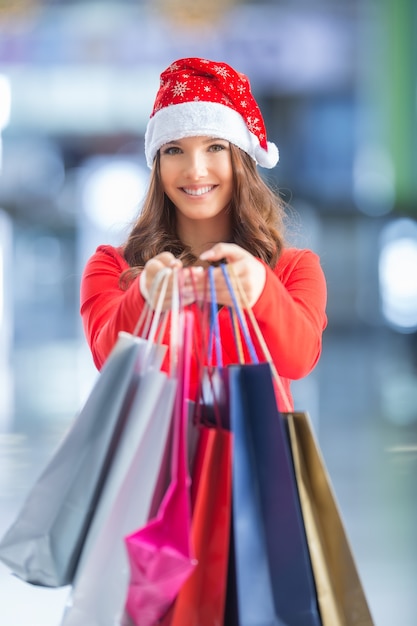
(205,140)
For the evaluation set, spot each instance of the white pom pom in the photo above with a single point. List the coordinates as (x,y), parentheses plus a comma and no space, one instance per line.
(267,158)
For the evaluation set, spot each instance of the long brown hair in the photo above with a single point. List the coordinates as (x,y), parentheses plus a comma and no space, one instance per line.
(257,218)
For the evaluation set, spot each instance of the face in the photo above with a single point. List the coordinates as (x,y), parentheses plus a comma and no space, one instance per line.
(196,174)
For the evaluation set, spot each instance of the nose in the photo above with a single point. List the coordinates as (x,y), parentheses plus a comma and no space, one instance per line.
(196,165)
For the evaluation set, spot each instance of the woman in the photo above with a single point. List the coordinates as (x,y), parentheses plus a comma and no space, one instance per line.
(206,202)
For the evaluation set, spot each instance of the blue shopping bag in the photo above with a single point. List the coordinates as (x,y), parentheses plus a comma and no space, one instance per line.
(274,578)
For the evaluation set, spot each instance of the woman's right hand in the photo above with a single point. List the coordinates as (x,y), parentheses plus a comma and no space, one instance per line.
(152,268)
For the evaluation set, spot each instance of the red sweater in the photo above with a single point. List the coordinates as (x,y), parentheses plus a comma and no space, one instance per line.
(290,311)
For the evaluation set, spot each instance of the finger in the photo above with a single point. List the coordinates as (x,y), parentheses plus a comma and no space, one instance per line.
(166,258)
(192,277)
(222,294)
(229,251)
(153,266)
(159,291)
(247,276)
(158,262)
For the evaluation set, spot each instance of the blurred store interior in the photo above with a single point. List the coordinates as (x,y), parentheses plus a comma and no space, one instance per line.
(337,82)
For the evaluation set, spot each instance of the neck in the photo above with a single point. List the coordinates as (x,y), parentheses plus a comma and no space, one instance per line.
(201,236)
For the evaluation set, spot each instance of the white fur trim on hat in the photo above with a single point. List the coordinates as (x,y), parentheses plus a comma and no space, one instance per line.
(205,119)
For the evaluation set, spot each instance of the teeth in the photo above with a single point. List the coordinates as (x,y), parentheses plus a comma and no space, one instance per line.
(198,192)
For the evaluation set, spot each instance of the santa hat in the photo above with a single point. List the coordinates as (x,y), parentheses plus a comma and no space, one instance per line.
(198,97)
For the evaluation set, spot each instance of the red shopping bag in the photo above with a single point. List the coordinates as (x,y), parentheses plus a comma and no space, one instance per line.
(201,600)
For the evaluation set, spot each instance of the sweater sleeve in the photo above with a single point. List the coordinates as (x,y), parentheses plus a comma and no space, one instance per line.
(106,308)
(291,312)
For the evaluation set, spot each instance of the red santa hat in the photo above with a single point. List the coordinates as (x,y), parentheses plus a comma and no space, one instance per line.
(198,97)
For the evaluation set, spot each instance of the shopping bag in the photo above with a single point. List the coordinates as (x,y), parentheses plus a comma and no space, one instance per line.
(44,543)
(201,600)
(98,594)
(125,501)
(274,578)
(160,553)
(340,593)
(272,573)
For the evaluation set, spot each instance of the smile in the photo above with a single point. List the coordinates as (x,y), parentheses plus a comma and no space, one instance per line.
(198,192)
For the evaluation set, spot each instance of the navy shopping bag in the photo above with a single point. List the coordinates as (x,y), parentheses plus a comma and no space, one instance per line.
(274,578)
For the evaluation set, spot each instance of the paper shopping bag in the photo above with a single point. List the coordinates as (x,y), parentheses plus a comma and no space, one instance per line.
(201,600)
(341,596)
(98,594)
(160,553)
(44,543)
(274,578)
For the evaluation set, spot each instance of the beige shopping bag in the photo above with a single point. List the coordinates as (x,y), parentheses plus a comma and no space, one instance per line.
(340,594)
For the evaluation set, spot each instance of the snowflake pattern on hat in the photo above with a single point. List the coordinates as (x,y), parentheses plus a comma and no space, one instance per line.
(199,97)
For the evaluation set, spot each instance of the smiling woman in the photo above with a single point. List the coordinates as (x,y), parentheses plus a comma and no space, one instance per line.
(207,202)
(197,176)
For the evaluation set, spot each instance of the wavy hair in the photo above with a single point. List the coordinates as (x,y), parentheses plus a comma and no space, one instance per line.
(257,216)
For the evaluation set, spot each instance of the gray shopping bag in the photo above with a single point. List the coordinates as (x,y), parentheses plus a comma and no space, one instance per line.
(97,599)
(44,543)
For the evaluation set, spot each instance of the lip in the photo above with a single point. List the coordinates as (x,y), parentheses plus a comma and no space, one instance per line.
(197,192)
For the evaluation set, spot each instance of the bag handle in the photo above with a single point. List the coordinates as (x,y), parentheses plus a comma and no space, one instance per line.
(206,317)
(148,313)
(181,339)
(259,336)
(214,322)
(237,335)
(149,325)
(238,310)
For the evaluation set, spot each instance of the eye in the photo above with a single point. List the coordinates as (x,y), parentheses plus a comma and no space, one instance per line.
(217,147)
(171,150)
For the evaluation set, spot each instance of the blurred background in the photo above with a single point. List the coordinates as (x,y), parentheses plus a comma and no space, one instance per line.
(336,81)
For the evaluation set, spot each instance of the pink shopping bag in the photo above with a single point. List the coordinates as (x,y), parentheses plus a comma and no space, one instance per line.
(160,553)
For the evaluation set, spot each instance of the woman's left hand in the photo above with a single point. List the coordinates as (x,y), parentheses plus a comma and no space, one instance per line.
(247,269)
